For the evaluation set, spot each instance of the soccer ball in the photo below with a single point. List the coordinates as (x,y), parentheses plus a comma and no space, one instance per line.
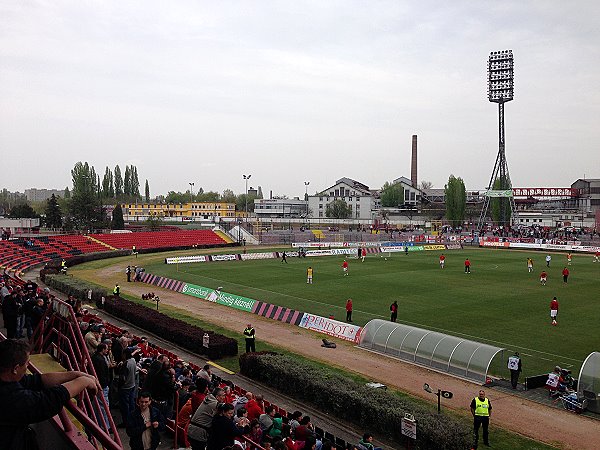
(385,259)
(554,322)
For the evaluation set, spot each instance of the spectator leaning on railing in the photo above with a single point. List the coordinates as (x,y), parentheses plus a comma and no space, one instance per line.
(28,399)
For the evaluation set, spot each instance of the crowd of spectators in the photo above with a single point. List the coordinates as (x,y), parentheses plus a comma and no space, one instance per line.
(23,307)
(135,378)
(209,414)
(558,235)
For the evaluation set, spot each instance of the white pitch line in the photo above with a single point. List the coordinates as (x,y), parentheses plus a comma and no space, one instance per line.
(379,316)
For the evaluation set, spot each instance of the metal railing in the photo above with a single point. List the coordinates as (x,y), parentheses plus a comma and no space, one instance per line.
(59,335)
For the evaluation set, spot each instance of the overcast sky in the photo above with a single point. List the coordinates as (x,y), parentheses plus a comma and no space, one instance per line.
(295,91)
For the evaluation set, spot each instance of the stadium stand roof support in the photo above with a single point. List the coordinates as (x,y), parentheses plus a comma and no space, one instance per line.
(442,352)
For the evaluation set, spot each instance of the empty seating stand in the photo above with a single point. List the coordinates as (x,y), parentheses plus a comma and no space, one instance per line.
(160,239)
(21,254)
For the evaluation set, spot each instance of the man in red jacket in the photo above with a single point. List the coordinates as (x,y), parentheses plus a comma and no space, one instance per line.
(565,274)
(349,310)
(467,266)
(255,407)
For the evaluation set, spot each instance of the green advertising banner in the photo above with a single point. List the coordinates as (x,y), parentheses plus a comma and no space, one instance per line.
(222,298)
(196,291)
(235,301)
(499,193)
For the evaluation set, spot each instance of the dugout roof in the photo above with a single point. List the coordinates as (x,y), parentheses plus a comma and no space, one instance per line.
(458,356)
(588,383)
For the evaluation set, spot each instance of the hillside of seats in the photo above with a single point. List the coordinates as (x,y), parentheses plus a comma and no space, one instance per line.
(23,253)
(160,239)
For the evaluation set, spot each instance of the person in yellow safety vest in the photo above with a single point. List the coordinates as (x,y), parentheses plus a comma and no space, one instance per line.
(117,290)
(63,266)
(250,336)
(481,408)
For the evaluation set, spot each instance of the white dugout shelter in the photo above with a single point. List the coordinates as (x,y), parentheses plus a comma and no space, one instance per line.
(457,356)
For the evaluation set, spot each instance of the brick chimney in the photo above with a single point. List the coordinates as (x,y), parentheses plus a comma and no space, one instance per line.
(413,162)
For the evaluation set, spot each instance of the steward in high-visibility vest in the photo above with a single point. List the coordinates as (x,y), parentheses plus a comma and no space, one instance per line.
(116,290)
(250,336)
(481,408)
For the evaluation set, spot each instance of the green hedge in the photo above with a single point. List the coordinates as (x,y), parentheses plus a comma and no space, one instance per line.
(173,330)
(370,409)
(74,286)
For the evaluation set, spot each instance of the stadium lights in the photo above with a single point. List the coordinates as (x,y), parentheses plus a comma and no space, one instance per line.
(246,178)
(191,189)
(501,76)
(306,183)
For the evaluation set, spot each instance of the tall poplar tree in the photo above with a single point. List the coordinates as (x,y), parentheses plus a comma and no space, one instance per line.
(135,183)
(84,205)
(118,183)
(147,192)
(127,182)
(108,188)
(456,200)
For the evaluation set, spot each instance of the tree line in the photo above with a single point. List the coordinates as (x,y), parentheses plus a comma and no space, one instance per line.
(83,206)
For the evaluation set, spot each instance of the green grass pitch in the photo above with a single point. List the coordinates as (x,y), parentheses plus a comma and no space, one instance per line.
(499,303)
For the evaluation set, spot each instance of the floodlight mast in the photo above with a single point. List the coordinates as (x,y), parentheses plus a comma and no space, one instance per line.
(500,90)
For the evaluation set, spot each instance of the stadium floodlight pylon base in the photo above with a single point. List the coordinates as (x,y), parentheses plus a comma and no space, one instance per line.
(504,191)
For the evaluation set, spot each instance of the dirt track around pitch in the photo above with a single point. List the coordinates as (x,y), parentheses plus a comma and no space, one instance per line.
(514,413)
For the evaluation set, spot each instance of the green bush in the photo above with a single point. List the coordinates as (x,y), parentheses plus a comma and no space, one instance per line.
(75,287)
(173,330)
(370,409)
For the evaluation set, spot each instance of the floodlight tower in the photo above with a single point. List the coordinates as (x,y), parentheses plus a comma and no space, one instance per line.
(500,90)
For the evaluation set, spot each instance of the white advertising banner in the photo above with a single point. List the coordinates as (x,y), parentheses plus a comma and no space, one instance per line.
(186,259)
(586,248)
(335,244)
(319,253)
(319,244)
(523,245)
(223,257)
(343,251)
(246,256)
(556,247)
(331,327)
(395,248)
